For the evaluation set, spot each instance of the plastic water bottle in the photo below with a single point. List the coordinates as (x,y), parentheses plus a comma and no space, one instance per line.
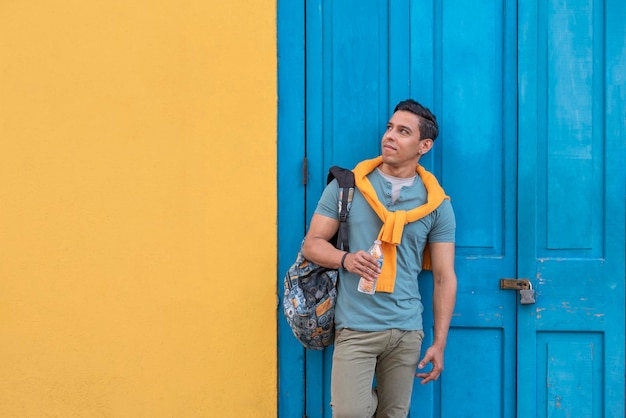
(366,286)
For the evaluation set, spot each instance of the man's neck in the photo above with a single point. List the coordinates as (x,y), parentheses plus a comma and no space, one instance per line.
(404,171)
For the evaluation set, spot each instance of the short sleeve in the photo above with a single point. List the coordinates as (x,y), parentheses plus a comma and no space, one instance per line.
(328,203)
(444,225)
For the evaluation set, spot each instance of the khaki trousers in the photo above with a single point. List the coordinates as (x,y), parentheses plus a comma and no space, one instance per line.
(391,356)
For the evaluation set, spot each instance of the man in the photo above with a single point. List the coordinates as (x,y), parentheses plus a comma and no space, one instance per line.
(380,335)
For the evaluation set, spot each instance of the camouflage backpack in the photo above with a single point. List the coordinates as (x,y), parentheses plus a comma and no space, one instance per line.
(311,290)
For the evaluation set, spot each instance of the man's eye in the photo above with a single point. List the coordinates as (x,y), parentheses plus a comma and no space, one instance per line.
(405,132)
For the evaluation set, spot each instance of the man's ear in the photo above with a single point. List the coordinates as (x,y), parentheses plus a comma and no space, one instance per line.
(425,145)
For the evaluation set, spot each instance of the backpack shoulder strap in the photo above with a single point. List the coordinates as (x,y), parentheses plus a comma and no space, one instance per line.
(345,178)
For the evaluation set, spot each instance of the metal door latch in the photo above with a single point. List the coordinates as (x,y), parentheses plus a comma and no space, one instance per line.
(527,294)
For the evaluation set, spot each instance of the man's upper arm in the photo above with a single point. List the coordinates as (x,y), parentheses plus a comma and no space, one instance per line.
(324,223)
(316,246)
(442,258)
(322,227)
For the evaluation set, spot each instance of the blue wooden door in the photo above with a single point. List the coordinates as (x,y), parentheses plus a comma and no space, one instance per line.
(572,73)
(472,64)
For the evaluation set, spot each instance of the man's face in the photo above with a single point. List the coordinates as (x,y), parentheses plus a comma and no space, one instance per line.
(401,143)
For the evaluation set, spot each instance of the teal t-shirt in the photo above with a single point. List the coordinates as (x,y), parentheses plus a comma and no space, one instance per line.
(403,308)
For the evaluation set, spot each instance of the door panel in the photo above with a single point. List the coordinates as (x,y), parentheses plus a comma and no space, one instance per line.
(471,56)
(571,238)
(347,85)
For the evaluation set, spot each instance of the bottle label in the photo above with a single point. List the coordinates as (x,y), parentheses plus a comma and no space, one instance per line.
(367,286)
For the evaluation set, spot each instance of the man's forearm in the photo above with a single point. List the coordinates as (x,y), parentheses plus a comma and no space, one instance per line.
(444,299)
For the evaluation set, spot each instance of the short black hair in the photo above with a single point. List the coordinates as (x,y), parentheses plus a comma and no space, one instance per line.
(427,121)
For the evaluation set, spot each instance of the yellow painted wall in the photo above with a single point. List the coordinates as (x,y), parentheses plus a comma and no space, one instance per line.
(137,208)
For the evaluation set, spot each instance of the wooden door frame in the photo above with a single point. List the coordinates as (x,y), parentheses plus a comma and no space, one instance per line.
(291,222)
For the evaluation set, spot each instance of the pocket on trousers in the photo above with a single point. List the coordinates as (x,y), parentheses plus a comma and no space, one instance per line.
(342,335)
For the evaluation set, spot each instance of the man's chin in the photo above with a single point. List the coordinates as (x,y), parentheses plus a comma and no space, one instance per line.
(387,157)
